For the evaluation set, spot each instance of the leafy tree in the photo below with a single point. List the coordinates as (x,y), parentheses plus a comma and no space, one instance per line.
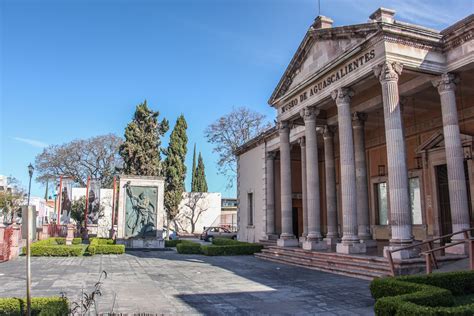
(231,131)
(200,176)
(175,169)
(193,171)
(96,157)
(11,199)
(141,151)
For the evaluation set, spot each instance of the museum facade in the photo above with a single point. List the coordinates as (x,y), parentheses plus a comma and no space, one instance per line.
(373,141)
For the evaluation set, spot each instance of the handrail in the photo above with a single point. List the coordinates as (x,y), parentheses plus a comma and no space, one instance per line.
(430,253)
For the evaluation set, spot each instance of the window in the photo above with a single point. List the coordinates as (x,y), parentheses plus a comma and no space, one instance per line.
(382,203)
(415,201)
(250,208)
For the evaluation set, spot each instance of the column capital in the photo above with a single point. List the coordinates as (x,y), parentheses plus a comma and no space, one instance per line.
(328,131)
(446,82)
(309,113)
(302,141)
(358,119)
(283,127)
(342,95)
(388,71)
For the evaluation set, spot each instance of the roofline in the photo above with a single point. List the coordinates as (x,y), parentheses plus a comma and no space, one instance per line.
(255,141)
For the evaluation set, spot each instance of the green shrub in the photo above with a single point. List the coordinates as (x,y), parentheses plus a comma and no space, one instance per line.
(231,250)
(423,295)
(62,240)
(225,241)
(106,249)
(39,306)
(172,243)
(188,247)
(101,241)
(57,251)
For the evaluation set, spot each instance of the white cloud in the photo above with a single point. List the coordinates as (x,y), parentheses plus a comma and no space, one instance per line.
(31,142)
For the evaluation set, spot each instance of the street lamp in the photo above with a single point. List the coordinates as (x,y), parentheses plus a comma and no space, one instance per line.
(30,172)
(28,250)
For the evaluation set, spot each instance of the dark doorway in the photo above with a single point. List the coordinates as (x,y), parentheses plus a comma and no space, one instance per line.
(443,199)
(296,230)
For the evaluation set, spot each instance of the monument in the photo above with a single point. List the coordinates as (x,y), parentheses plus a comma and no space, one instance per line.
(141,212)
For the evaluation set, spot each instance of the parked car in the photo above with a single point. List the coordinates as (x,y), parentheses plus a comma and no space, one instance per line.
(210,233)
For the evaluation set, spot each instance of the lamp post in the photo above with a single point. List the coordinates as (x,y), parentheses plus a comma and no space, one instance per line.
(28,250)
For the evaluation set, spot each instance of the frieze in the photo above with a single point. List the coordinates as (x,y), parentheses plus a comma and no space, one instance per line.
(333,77)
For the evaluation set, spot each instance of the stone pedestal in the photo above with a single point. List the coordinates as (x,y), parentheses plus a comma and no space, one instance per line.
(403,254)
(315,245)
(70,234)
(287,242)
(141,212)
(369,243)
(351,248)
(330,241)
(44,232)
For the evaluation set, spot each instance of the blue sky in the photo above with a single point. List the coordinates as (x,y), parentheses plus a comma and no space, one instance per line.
(75,69)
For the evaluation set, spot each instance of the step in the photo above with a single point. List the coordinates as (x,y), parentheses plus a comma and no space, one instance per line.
(361,274)
(333,255)
(333,262)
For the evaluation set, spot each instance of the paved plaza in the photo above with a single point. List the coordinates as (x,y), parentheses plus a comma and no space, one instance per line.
(165,282)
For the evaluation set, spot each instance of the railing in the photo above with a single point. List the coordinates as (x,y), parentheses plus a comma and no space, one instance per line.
(430,256)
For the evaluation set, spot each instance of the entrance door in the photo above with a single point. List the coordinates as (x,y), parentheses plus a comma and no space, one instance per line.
(296,231)
(443,199)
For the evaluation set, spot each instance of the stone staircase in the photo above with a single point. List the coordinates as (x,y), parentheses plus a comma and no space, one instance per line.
(364,267)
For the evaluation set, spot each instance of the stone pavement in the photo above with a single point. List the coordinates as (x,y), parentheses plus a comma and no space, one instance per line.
(165,282)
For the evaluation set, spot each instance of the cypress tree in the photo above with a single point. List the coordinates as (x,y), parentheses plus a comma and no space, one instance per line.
(175,169)
(201,183)
(193,171)
(141,149)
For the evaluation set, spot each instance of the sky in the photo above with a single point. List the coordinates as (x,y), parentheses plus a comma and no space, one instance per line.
(76,69)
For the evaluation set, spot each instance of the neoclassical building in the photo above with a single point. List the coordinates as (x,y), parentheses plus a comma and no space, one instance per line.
(373,141)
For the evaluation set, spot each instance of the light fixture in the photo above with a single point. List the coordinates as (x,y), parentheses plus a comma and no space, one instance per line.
(381,170)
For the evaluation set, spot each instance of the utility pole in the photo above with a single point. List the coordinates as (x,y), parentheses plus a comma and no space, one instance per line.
(28,248)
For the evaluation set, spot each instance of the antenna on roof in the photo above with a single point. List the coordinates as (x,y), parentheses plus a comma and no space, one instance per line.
(319,7)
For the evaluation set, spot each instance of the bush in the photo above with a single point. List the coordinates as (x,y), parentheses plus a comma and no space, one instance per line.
(226,241)
(423,295)
(101,241)
(188,247)
(172,243)
(104,246)
(56,247)
(39,306)
(106,249)
(231,250)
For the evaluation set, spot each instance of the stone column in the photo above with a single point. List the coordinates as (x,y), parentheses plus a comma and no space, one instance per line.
(400,213)
(304,189)
(458,200)
(287,238)
(350,241)
(314,239)
(331,195)
(270,198)
(358,124)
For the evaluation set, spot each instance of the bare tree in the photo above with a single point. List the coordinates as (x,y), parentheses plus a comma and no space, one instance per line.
(195,205)
(231,131)
(96,157)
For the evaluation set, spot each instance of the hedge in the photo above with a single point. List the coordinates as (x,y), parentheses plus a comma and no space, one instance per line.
(231,250)
(188,247)
(40,306)
(226,241)
(105,246)
(54,247)
(172,243)
(423,295)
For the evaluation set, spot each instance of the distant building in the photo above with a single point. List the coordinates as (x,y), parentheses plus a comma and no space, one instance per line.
(229,213)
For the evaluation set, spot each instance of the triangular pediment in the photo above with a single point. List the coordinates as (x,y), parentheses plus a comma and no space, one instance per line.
(319,48)
(436,141)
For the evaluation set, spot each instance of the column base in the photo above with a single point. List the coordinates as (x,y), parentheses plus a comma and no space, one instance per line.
(461,249)
(369,243)
(288,242)
(350,248)
(269,237)
(331,241)
(302,239)
(403,254)
(314,245)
